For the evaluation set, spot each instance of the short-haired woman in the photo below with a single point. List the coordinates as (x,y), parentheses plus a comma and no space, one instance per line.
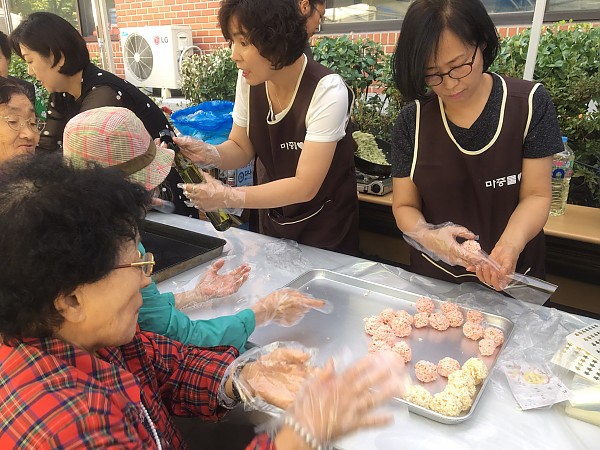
(291,114)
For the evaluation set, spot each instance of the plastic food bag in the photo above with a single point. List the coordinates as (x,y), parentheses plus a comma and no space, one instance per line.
(534,386)
(209,121)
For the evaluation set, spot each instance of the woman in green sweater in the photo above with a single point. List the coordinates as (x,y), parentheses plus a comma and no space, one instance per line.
(112,136)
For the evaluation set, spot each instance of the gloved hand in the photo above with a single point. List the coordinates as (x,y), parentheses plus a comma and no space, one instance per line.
(203,154)
(212,285)
(273,374)
(331,405)
(213,194)
(286,307)
(439,242)
(498,269)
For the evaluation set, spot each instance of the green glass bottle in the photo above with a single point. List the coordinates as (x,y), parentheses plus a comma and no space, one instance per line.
(189,173)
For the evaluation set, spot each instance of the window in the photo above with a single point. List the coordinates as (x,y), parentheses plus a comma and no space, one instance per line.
(78,12)
(86,14)
(360,15)
(20,9)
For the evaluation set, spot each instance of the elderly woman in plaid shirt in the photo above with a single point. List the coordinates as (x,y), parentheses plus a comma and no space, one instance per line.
(76,371)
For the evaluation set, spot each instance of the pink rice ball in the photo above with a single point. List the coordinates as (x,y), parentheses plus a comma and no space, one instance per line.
(383,333)
(486,347)
(473,330)
(402,349)
(495,334)
(447,365)
(474,316)
(471,246)
(372,324)
(425,304)
(400,327)
(421,319)
(376,346)
(387,315)
(405,315)
(439,321)
(448,307)
(426,371)
(455,318)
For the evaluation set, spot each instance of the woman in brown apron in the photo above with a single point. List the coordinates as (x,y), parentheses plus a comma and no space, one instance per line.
(291,116)
(472,154)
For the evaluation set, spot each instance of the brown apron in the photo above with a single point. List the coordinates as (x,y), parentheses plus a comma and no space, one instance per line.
(330,219)
(476,189)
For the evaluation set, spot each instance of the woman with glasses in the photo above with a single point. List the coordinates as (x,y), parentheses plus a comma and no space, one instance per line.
(19,127)
(472,154)
(76,370)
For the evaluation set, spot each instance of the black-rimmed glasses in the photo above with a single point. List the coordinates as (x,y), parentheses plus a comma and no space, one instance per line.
(146,263)
(456,73)
(17,123)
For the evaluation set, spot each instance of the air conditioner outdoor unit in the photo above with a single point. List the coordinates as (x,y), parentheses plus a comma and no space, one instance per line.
(151,55)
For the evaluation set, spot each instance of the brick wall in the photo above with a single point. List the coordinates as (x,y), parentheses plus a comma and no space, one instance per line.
(201,15)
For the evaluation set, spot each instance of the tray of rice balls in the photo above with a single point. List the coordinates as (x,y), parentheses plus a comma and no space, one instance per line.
(449,349)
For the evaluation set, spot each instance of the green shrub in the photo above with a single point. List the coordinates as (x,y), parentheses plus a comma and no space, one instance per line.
(18,68)
(568,64)
(211,76)
(366,69)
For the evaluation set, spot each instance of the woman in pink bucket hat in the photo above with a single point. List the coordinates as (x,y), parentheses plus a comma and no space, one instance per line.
(115,137)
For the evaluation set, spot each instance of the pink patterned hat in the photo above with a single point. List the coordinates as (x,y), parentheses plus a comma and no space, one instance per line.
(115,137)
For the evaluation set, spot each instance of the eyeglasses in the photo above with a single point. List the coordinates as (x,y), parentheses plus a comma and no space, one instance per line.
(456,73)
(18,123)
(146,263)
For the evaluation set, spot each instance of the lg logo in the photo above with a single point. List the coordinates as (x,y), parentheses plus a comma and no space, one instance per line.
(161,40)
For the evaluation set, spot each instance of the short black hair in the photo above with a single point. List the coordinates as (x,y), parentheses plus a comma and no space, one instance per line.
(275,27)
(61,228)
(8,89)
(4,45)
(423,24)
(51,35)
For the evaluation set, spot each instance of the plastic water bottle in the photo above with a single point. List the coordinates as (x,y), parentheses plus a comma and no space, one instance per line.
(562,169)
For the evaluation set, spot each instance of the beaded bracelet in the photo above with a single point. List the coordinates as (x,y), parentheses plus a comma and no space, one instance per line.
(302,432)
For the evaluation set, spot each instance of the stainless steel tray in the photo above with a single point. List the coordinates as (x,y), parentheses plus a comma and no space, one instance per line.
(353,300)
(177,250)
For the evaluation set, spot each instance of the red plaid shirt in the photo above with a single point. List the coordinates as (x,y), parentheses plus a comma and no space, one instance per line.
(56,396)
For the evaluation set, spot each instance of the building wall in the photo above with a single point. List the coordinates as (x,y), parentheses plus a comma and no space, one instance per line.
(201,15)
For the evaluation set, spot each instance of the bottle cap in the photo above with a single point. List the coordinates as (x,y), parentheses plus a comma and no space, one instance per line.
(565,139)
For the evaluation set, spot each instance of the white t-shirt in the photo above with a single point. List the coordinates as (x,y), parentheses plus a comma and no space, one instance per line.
(327,114)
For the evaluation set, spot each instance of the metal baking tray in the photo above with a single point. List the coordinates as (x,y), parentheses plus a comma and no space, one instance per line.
(177,250)
(353,300)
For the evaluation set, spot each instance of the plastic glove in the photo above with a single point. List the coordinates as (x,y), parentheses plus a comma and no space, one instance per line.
(287,307)
(497,269)
(212,285)
(213,194)
(331,405)
(439,242)
(203,154)
(273,374)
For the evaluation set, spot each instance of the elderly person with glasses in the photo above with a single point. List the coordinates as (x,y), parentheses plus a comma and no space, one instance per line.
(76,370)
(113,136)
(19,127)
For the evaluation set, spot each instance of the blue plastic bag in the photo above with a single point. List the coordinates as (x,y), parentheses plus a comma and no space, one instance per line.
(209,121)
